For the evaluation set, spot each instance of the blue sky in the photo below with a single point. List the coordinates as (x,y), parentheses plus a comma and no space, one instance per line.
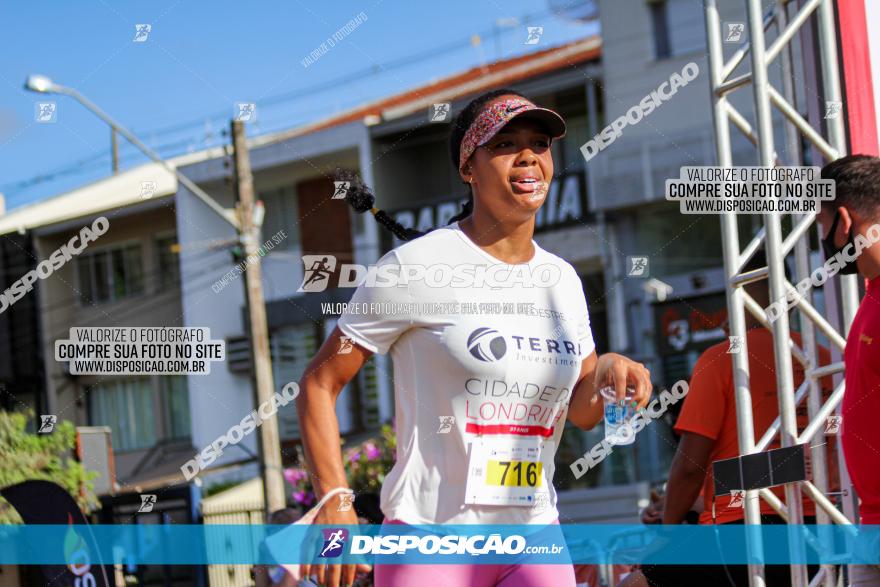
(177,89)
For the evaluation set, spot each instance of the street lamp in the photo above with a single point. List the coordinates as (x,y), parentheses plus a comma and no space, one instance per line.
(43,85)
(247,227)
(39,83)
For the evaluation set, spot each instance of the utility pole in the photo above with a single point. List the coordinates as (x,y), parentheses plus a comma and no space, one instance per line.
(114,149)
(270,444)
(243,222)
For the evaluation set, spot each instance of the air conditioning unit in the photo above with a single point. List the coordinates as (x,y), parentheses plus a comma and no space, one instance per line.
(238,354)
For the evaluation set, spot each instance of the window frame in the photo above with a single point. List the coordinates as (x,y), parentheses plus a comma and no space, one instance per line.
(157,256)
(658,13)
(117,386)
(673,50)
(106,252)
(159,400)
(165,390)
(289,217)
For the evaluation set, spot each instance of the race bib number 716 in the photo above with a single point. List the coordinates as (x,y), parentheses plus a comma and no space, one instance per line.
(506,471)
(513,474)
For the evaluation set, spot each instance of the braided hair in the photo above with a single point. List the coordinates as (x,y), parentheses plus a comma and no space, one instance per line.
(361,197)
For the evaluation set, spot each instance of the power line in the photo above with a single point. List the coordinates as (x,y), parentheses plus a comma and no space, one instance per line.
(101,320)
(221,116)
(191,286)
(427,54)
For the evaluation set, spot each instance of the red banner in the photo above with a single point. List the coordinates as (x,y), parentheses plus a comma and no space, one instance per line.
(508,429)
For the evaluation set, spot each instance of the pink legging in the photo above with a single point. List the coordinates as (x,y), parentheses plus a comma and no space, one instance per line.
(514,575)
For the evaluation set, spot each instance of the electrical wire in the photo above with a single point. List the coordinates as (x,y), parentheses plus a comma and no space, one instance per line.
(96,160)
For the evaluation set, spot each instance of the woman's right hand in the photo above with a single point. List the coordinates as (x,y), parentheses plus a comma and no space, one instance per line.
(322,382)
(335,575)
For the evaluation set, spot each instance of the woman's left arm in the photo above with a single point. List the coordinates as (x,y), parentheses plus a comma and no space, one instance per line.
(586,407)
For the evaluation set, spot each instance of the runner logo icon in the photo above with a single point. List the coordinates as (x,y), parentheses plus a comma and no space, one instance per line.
(47,424)
(334,542)
(148,500)
(318,269)
(486,344)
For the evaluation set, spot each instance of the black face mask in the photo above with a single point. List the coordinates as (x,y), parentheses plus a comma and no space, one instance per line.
(846,267)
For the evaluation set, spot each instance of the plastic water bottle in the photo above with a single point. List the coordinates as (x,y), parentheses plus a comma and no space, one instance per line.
(618,415)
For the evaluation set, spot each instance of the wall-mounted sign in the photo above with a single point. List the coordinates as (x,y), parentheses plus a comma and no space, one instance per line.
(566,204)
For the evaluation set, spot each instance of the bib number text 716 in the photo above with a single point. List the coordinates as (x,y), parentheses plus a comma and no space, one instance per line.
(513,474)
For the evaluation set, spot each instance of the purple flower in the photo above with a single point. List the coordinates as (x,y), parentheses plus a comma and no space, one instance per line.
(373,451)
(294,476)
(305,498)
(355,457)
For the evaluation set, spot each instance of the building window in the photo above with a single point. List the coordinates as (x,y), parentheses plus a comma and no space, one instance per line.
(678,27)
(292,348)
(167,263)
(126,406)
(577,133)
(281,214)
(368,394)
(660,29)
(175,401)
(110,274)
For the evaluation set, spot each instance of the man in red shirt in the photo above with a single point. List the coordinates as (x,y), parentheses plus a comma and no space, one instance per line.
(707,424)
(850,218)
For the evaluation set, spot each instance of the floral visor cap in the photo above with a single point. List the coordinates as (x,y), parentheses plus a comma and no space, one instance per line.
(493,118)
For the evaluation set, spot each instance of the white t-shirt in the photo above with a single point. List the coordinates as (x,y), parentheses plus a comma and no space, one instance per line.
(502,371)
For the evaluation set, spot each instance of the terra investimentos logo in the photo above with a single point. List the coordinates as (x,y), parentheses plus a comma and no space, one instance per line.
(486,344)
(489,345)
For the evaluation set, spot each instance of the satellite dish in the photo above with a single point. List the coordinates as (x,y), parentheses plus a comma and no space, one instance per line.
(579,10)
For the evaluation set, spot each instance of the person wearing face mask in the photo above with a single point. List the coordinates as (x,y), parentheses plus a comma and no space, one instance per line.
(853,216)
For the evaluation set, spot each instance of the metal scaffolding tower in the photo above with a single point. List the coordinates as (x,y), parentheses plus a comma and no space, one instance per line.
(791,19)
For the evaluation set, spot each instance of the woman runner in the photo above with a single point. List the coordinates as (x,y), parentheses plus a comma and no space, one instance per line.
(471,381)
